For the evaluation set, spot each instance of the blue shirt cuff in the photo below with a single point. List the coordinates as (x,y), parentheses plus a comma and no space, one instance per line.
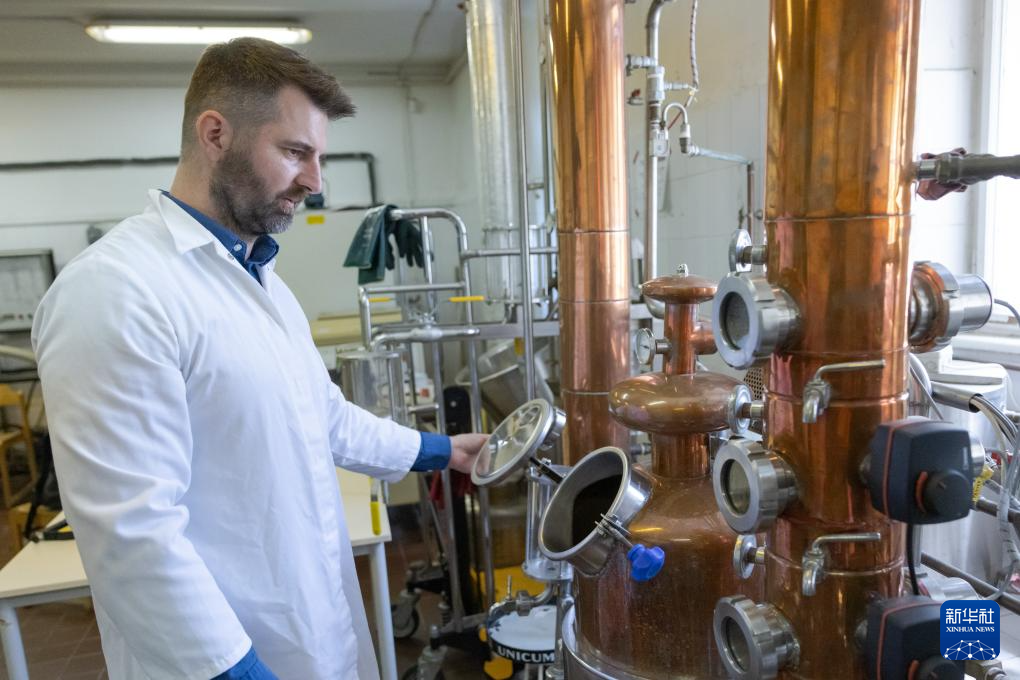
(434,453)
(240,671)
(248,668)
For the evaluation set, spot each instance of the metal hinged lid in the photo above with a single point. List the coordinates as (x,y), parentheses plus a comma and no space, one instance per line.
(516,440)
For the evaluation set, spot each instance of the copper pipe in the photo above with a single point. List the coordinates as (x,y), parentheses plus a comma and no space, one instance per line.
(841,108)
(703,340)
(587,61)
(684,456)
(840,126)
(583,276)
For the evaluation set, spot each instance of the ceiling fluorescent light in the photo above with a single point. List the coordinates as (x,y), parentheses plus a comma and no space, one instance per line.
(194,34)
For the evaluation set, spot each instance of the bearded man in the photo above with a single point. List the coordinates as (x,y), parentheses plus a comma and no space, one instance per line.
(195,429)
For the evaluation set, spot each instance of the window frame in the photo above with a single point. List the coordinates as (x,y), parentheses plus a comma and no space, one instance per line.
(1001,323)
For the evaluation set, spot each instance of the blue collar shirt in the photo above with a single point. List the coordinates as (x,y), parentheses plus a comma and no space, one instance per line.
(263,250)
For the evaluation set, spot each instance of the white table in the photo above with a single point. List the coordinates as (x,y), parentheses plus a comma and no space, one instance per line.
(51,571)
(44,572)
(355,490)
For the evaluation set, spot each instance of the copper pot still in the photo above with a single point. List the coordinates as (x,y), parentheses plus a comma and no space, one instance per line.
(660,628)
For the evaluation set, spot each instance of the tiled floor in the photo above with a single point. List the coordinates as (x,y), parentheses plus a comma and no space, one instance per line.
(405,548)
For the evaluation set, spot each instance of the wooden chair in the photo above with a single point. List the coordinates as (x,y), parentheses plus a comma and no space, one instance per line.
(13,438)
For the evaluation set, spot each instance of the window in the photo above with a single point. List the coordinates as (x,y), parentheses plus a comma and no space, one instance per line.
(1001,206)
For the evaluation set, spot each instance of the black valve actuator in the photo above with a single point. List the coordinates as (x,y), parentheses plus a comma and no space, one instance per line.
(903,641)
(919,471)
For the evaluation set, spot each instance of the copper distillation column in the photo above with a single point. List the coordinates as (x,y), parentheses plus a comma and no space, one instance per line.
(840,126)
(587,63)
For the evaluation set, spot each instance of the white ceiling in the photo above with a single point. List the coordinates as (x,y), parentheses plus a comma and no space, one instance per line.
(43,42)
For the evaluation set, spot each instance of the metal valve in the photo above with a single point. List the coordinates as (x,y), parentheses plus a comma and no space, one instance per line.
(943,305)
(743,252)
(813,562)
(744,412)
(969,169)
(747,554)
(818,391)
(645,562)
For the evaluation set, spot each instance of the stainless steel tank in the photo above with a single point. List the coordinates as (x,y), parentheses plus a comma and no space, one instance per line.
(501,378)
(374,380)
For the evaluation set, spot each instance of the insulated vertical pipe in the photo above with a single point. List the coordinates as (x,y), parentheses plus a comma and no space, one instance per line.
(654,94)
(842,80)
(527,310)
(490,67)
(591,198)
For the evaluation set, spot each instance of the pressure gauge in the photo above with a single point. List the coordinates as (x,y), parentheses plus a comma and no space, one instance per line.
(644,346)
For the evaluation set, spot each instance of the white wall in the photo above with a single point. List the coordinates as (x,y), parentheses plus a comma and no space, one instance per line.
(702,197)
(420,153)
(426,157)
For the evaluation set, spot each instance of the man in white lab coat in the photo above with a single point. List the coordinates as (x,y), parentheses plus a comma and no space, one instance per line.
(195,429)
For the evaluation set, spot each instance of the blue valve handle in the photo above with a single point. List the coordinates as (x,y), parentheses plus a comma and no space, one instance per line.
(645,563)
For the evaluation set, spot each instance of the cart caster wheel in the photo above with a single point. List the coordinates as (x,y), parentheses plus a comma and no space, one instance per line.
(406,628)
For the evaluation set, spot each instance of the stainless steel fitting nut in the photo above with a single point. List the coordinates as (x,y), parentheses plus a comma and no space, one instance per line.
(752,485)
(747,554)
(738,409)
(755,641)
(743,252)
(751,319)
(943,305)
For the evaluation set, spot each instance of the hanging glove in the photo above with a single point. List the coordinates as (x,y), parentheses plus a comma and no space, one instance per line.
(409,243)
(390,230)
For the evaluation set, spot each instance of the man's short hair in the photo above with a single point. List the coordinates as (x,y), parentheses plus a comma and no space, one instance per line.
(242,78)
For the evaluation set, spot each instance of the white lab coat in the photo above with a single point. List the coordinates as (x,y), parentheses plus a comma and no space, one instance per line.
(195,432)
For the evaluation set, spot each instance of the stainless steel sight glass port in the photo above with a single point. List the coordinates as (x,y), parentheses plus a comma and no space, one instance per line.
(536,565)
(603,487)
(751,319)
(943,305)
(755,641)
(752,485)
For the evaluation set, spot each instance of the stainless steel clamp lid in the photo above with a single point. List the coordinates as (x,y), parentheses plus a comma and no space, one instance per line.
(534,426)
